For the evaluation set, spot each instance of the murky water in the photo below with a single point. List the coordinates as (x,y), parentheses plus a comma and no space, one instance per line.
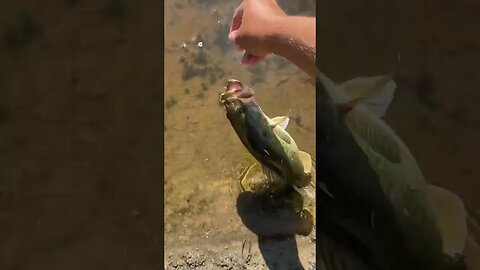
(203,155)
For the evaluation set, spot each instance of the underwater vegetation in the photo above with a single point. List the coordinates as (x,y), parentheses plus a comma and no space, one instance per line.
(171,102)
(196,61)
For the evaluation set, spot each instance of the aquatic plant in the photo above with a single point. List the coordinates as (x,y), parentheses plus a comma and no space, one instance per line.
(221,42)
(200,94)
(258,74)
(171,102)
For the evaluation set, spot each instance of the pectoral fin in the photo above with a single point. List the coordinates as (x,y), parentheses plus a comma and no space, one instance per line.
(306,162)
(452,219)
(376,93)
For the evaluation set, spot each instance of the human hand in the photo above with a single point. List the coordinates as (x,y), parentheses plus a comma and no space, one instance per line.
(254,27)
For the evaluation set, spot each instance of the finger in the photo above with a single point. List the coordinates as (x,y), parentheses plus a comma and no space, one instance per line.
(232,38)
(251,60)
(234,27)
(278,8)
(237,18)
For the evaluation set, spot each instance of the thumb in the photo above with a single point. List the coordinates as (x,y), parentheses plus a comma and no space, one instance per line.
(232,37)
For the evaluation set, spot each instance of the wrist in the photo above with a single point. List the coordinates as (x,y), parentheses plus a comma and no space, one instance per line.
(276,38)
(293,38)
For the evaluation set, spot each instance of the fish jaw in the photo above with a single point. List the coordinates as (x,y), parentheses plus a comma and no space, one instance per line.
(238,90)
(236,97)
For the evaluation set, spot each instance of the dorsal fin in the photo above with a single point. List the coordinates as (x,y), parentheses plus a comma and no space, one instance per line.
(281,121)
(376,93)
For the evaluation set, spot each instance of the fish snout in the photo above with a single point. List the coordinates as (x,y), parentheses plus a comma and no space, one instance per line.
(239,90)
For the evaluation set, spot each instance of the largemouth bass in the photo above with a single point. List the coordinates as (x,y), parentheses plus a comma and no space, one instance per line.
(378,203)
(264,137)
(267,140)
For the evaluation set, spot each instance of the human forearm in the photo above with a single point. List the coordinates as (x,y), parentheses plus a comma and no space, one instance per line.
(294,39)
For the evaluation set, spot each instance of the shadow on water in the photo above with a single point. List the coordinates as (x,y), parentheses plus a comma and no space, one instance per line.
(275,228)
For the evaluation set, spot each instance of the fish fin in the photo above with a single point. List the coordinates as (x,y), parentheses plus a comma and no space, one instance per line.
(376,93)
(281,121)
(376,135)
(306,162)
(344,108)
(333,90)
(306,194)
(452,219)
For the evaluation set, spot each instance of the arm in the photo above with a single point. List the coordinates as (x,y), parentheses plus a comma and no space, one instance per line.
(294,39)
(261,27)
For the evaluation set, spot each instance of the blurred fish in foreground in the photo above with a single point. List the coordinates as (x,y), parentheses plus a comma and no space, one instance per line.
(376,211)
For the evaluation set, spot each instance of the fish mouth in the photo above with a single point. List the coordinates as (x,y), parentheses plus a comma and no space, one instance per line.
(238,89)
(234,85)
(236,95)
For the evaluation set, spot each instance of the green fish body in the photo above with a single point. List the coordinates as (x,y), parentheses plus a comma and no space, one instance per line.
(375,185)
(265,138)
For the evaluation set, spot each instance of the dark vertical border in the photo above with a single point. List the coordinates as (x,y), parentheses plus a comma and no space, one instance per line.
(52,59)
(162,126)
(317,8)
